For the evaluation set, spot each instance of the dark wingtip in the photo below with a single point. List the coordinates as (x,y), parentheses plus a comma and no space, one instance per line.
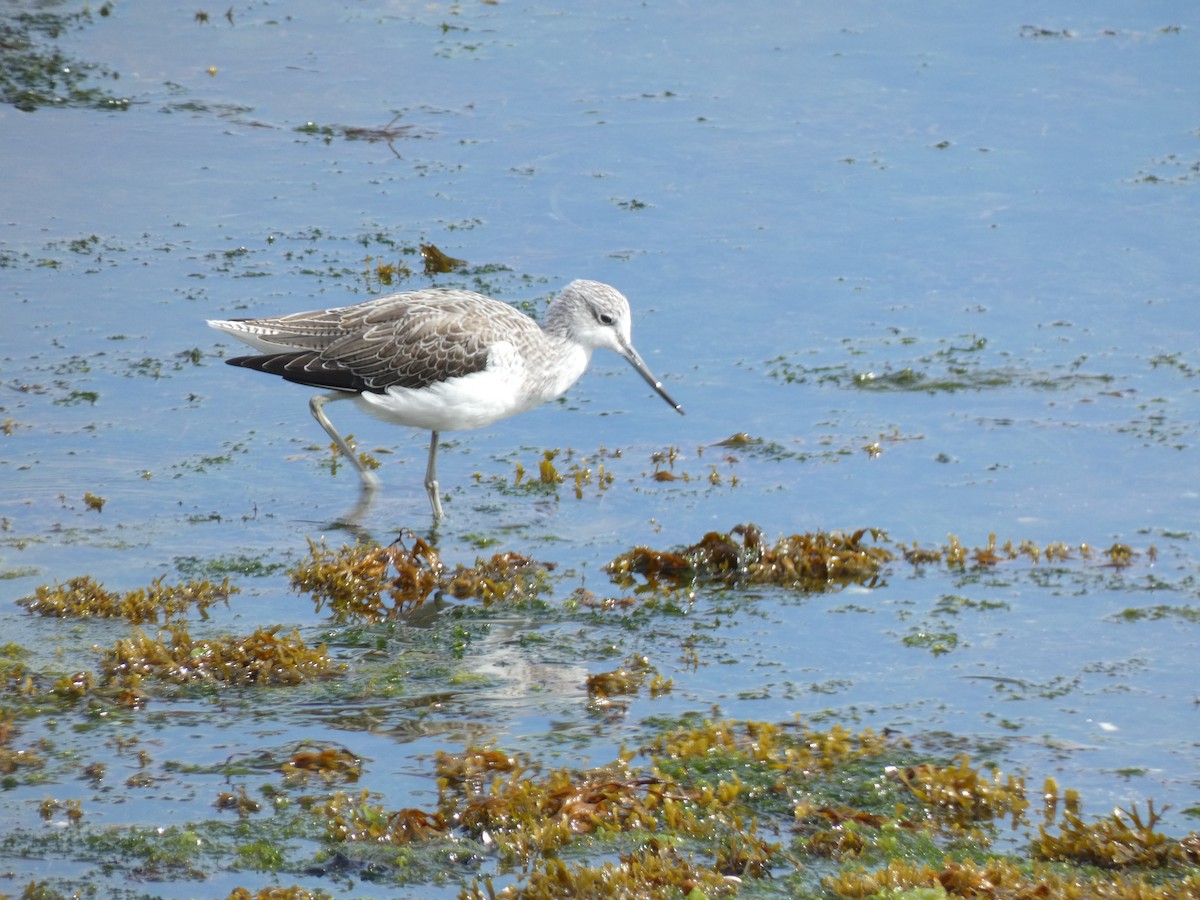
(249,362)
(302,368)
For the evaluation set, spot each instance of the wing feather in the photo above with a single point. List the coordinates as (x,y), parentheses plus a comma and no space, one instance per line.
(410,340)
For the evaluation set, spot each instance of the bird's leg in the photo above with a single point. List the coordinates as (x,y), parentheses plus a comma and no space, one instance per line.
(316,404)
(431,485)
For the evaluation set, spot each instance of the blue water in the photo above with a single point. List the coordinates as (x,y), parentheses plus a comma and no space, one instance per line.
(801,204)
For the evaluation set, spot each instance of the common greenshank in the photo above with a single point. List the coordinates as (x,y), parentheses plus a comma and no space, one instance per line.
(440,359)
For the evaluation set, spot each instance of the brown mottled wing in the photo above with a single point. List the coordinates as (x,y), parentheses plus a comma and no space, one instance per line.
(409,340)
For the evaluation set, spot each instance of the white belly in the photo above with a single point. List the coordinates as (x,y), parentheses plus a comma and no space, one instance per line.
(506,387)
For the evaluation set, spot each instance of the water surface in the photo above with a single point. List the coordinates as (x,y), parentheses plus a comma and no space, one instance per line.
(940,265)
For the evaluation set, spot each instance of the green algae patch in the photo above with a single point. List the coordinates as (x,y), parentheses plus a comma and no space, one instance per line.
(224,566)
(1156,613)
(37,74)
(952,365)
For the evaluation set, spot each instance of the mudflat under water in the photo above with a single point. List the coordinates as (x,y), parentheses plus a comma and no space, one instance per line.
(939,267)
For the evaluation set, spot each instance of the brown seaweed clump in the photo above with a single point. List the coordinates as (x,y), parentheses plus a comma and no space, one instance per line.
(814,561)
(366,582)
(692,822)
(794,748)
(1119,840)
(353,818)
(1001,879)
(295,892)
(657,869)
(506,577)
(528,816)
(957,555)
(327,763)
(438,262)
(264,657)
(626,681)
(960,793)
(84,597)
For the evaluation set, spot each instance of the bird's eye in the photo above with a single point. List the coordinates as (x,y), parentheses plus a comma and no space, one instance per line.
(605,318)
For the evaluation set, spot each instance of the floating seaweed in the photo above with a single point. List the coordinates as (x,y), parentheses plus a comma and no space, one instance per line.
(264,657)
(237,801)
(525,814)
(295,892)
(467,773)
(508,577)
(84,597)
(794,747)
(328,763)
(960,794)
(353,819)
(626,681)
(1119,840)
(823,561)
(998,878)
(369,583)
(814,561)
(437,262)
(655,870)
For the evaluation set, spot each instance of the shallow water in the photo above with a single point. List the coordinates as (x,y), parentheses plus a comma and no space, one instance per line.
(968,238)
